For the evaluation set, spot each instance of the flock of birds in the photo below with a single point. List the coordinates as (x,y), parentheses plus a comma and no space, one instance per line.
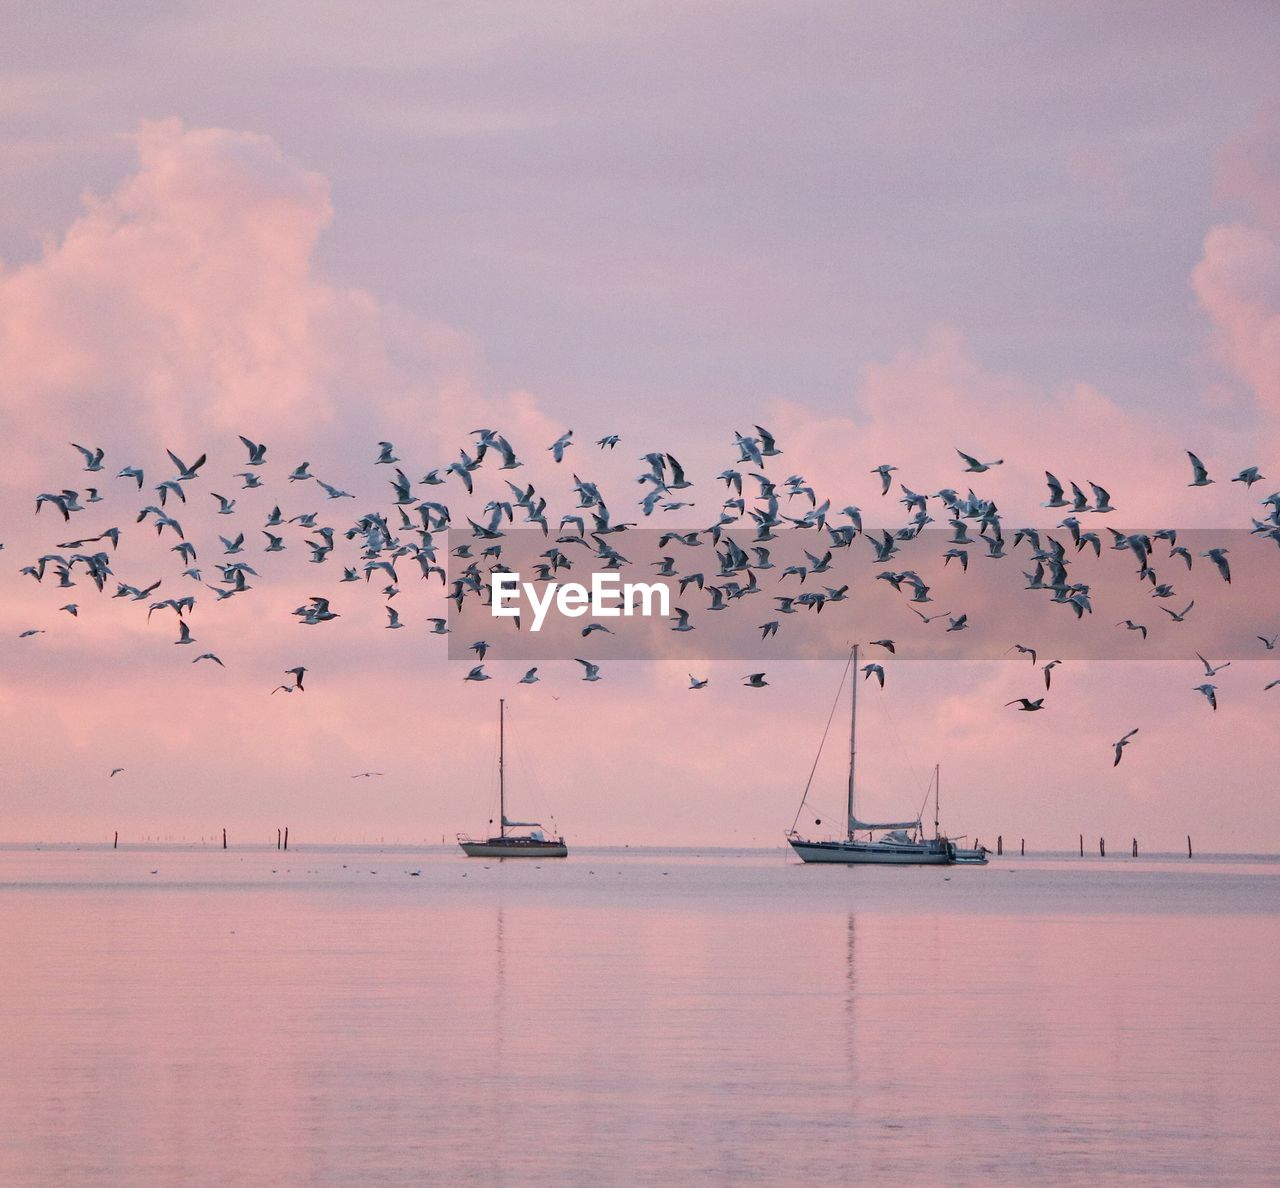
(757,507)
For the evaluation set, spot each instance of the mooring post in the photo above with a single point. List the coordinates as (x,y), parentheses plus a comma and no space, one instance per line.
(1023,842)
(115,842)
(277,839)
(286,837)
(224,839)
(1102,847)
(1135,847)
(1188,845)
(999,844)
(1082,845)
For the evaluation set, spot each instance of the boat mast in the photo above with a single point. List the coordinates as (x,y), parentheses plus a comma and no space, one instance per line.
(502,755)
(853,735)
(937,791)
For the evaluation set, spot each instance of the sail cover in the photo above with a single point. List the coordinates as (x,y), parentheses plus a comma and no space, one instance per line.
(521,824)
(855,824)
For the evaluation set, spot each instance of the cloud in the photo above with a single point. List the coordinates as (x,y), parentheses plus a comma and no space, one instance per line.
(1237,280)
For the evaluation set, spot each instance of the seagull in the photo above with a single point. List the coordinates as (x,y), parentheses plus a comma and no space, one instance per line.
(364,775)
(695,683)
(1269,644)
(1209,669)
(887,644)
(1025,651)
(479,647)
(1201,475)
(208,656)
(1219,558)
(562,443)
(609,440)
(973,466)
(185,471)
(184,633)
(927,618)
(439,626)
(530,677)
(478,674)
(1055,492)
(1124,742)
(883,472)
(115,771)
(958,624)
(386,453)
(393,619)
(1176,616)
(73,610)
(1132,626)
(755,681)
(1248,476)
(1270,686)
(873,670)
(1210,692)
(590,627)
(592,671)
(1026,705)
(1102,499)
(300,473)
(769,628)
(92,458)
(683,624)
(1047,669)
(257,452)
(297,674)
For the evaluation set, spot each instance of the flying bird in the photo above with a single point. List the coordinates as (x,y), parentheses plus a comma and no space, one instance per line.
(591,672)
(208,656)
(873,670)
(562,443)
(755,681)
(1026,705)
(1024,650)
(115,771)
(1047,669)
(1124,742)
(973,466)
(1200,476)
(695,683)
(1210,692)
(530,677)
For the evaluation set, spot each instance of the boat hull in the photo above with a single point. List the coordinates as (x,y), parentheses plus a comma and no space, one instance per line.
(513,847)
(855,853)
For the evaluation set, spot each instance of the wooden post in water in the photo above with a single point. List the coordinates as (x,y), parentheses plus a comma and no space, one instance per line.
(1102,847)
(1188,845)
(286,837)
(224,839)
(116,840)
(1023,842)
(277,839)
(999,844)
(1135,847)
(1082,845)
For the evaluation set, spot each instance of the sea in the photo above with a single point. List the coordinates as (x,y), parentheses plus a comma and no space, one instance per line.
(185,1015)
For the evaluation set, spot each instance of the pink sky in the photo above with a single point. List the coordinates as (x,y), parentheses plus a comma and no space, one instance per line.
(187,262)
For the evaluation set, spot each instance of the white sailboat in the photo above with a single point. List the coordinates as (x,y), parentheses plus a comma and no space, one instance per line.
(900,842)
(534,844)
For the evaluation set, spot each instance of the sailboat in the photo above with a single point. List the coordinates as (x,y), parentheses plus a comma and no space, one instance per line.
(975,855)
(900,842)
(534,844)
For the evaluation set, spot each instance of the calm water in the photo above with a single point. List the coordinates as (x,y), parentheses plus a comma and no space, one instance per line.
(327,1017)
